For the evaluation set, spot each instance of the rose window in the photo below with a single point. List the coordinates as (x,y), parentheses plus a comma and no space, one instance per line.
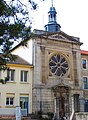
(58,65)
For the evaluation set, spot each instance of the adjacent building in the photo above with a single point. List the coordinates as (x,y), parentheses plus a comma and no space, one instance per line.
(84,77)
(17,91)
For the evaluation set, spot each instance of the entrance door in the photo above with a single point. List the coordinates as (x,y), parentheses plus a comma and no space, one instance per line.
(62,106)
(61,94)
(24,103)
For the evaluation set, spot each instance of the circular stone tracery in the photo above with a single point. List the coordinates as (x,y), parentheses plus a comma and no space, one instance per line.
(58,65)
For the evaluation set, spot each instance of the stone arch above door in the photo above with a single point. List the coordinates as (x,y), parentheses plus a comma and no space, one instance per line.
(61,89)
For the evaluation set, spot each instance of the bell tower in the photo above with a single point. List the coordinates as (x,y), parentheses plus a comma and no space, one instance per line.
(52,25)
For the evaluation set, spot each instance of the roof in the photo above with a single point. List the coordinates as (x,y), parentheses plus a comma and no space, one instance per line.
(45,35)
(16,60)
(20,61)
(84,52)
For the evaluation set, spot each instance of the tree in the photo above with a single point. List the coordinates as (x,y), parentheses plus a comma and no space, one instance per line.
(14,16)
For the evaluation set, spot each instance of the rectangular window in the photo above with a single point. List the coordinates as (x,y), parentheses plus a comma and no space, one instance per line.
(76,103)
(85,81)
(9,100)
(24,76)
(11,74)
(84,64)
(86,106)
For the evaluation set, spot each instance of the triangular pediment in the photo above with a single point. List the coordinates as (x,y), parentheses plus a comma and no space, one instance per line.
(61,36)
(57,36)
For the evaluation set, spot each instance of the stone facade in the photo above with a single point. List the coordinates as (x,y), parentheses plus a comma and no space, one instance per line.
(58,73)
(53,92)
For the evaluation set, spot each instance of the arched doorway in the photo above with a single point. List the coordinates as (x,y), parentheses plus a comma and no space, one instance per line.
(61,94)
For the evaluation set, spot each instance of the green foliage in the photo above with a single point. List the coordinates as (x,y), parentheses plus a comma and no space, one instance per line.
(14,21)
(39,115)
(3,81)
(13,18)
(50,115)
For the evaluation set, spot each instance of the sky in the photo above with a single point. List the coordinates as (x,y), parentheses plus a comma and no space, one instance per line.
(72,15)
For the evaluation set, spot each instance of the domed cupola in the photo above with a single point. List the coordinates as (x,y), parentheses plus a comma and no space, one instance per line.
(52,25)
(52,15)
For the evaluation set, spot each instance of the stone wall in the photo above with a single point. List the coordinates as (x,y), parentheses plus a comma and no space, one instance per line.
(42,100)
(81,116)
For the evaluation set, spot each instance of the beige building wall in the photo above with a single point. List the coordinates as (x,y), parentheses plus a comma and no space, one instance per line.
(25,51)
(16,88)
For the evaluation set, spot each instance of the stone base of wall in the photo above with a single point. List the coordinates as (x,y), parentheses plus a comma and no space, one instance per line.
(7,117)
(81,116)
(13,118)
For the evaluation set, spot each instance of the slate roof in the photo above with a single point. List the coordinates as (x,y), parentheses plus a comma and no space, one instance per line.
(18,60)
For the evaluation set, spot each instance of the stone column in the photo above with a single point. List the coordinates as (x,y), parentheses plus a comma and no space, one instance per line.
(56,108)
(72,103)
(67,106)
(72,111)
(55,105)
(75,68)
(43,62)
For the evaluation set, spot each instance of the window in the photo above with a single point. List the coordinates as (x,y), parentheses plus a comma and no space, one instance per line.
(9,100)
(56,28)
(85,81)
(58,65)
(10,74)
(24,102)
(76,103)
(86,106)
(24,76)
(84,63)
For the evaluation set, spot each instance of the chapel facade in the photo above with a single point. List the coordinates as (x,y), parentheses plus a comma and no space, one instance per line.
(57,71)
